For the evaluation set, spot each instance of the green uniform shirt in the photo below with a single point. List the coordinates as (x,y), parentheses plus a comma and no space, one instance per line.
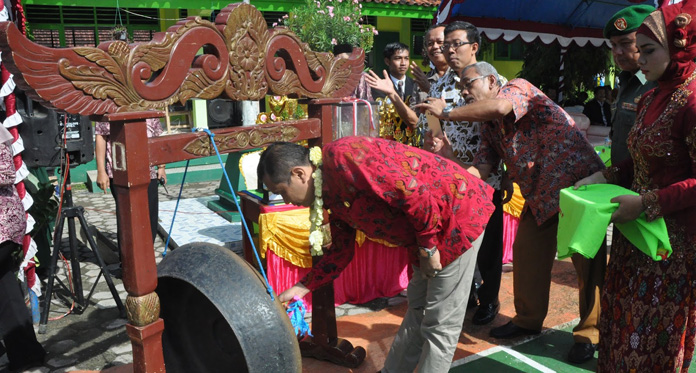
(626,106)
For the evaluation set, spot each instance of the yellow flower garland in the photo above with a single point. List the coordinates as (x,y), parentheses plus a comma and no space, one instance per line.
(316,214)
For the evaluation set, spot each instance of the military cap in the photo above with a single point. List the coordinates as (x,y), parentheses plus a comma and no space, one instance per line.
(627,20)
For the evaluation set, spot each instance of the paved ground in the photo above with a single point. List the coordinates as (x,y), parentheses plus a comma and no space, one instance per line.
(96,339)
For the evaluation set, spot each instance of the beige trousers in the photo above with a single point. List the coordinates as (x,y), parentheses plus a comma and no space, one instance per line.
(430,331)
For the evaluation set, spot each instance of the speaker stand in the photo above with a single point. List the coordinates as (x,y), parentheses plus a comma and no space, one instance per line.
(70,212)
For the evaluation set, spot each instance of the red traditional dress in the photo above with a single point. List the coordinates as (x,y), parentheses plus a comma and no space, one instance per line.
(399,194)
(648,320)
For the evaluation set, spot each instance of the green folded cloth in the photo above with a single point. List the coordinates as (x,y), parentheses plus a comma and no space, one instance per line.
(584,218)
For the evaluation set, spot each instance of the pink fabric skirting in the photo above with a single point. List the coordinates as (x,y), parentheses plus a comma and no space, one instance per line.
(510,224)
(376,271)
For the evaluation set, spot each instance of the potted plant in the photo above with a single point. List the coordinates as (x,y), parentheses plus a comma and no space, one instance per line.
(120,32)
(331,25)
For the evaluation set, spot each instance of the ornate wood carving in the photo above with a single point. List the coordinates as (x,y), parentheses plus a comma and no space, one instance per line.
(143,310)
(253,138)
(242,60)
(183,146)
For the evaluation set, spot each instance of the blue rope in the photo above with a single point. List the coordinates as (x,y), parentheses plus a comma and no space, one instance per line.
(181,189)
(269,289)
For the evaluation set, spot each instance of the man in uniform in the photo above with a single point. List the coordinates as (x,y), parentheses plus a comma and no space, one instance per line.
(621,32)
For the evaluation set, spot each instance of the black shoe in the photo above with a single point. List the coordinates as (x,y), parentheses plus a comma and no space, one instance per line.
(486,313)
(581,352)
(510,330)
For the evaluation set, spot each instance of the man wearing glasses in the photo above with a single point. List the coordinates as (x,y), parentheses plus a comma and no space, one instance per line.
(544,153)
(462,40)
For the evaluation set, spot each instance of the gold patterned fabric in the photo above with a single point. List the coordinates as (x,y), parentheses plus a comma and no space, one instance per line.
(286,233)
(392,127)
(514,207)
(655,22)
(360,238)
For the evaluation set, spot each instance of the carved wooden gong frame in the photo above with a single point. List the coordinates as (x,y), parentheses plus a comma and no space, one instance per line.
(126,84)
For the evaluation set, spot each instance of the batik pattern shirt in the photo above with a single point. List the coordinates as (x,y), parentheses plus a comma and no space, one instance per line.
(154,129)
(13,220)
(543,150)
(464,136)
(419,95)
(403,195)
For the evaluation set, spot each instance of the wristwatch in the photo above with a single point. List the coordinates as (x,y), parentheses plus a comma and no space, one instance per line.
(427,253)
(446,111)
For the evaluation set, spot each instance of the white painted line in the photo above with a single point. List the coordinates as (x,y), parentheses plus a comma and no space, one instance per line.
(475,357)
(495,349)
(527,360)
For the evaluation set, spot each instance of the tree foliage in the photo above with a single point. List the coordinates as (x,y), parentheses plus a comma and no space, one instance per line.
(542,65)
(326,23)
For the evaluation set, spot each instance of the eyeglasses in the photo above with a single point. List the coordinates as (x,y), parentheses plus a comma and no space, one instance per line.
(446,46)
(466,84)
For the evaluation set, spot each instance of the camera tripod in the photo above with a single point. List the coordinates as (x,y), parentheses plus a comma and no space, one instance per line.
(70,212)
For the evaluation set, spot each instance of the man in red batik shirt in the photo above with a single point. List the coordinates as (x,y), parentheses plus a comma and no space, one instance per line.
(408,197)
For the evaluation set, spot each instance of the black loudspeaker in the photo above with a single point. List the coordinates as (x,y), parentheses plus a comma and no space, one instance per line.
(213,15)
(43,130)
(224,113)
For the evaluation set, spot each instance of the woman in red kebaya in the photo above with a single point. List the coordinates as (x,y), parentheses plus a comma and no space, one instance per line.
(648,320)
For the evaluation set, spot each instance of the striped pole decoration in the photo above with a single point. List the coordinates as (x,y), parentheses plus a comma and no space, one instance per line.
(561,79)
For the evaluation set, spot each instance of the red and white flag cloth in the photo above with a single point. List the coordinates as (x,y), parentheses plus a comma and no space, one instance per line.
(12,120)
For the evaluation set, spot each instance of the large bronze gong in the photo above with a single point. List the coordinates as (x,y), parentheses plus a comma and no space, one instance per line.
(218,316)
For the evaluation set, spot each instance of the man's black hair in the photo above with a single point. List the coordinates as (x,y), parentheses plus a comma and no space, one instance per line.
(391,49)
(472,33)
(424,53)
(432,27)
(277,161)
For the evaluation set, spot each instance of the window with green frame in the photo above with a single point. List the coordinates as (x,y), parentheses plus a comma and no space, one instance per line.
(418,28)
(512,51)
(69,26)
